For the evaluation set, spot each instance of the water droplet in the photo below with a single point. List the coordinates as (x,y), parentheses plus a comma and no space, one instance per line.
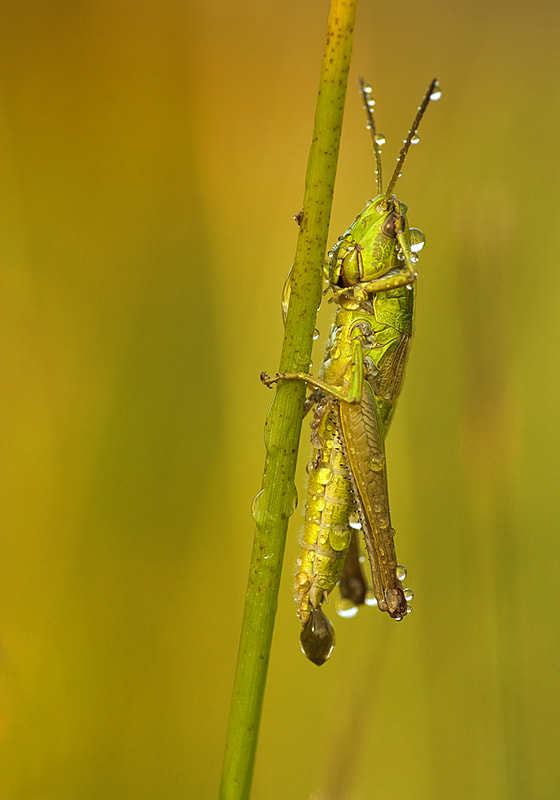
(259,512)
(366,88)
(408,609)
(324,474)
(286,294)
(293,500)
(436,93)
(346,608)
(417,240)
(320,503)
(339,540)
(379,138)
(415,139)
(317,637)
(408,594)
(371,599)
(316,334)
(401,572)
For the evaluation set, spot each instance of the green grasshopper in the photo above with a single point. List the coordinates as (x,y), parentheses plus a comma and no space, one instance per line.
(371,275)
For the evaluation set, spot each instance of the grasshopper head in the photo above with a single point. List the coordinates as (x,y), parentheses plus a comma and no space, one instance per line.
(369,248)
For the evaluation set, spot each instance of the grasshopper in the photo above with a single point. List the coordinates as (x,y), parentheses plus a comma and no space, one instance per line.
(372,271)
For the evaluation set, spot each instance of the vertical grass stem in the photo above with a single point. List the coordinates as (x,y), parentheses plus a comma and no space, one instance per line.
(276,501)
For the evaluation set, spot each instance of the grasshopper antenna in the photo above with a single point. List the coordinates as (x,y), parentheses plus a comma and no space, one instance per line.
(369,104)
(433,93)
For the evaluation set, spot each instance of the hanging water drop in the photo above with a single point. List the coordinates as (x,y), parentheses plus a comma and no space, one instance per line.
(417,240)
(371,599)
(346,608)
(436,93)
(317,637)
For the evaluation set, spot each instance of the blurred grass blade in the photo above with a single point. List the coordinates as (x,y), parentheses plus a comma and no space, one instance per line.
(276,501)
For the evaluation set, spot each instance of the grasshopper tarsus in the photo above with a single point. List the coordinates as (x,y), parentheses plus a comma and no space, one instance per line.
(267,380)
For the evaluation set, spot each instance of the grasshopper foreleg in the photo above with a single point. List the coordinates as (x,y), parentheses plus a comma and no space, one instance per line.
(351,392)
(312,399)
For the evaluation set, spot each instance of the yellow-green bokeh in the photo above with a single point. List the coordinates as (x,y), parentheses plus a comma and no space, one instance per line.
(152,156)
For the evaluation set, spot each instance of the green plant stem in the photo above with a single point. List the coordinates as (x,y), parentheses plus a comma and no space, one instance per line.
(276,501)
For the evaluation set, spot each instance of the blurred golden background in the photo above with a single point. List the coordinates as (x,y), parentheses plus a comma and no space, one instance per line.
(152,156)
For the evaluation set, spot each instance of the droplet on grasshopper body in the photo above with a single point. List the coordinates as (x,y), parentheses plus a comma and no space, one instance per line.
(317,637)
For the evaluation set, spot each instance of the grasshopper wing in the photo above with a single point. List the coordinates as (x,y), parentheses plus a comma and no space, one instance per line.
(365,453)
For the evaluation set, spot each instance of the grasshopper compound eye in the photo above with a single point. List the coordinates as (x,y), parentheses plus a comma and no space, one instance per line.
(395,222)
